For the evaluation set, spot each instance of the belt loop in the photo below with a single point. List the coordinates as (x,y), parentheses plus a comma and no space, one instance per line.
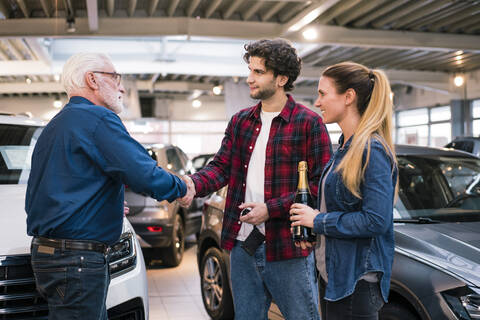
(64,247)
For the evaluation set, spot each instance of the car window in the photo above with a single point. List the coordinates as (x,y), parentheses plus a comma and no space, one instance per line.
(16,147)
(439,187)
(174,162)
(462,145)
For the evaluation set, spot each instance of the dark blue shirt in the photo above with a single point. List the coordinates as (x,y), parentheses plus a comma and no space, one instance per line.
(80,164)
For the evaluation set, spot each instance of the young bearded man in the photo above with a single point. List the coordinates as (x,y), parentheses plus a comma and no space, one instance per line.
(258,159)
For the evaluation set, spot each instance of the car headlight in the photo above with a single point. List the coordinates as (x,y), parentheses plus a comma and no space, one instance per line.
(464,302)
(122,255)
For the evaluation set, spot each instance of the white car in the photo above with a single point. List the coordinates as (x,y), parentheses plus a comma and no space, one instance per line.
(128,292)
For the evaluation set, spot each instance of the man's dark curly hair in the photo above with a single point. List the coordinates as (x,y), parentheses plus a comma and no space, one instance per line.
(280,57)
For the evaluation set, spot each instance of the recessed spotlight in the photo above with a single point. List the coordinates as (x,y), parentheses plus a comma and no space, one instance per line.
(56,77)
(217,90)
(459,81)
(57,103)
(28,80)
(196,103)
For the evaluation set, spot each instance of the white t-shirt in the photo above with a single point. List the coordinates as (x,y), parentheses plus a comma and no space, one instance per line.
(256,172)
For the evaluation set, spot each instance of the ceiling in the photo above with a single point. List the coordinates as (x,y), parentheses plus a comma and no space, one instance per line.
(187,44)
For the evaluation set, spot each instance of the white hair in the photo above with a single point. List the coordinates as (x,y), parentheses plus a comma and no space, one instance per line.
(73,74)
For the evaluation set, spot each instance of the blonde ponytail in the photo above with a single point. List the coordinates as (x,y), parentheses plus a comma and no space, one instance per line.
(375,107)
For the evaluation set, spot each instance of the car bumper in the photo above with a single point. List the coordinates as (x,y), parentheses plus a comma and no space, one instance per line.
(129,291)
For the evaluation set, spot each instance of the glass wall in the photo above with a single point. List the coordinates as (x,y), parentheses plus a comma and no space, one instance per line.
(424,126)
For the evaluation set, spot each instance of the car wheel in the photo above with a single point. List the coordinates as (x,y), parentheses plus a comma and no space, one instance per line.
(396,311)
(173,255)
(216,294)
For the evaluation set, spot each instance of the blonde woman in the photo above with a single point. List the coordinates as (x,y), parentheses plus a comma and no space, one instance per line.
(354,223)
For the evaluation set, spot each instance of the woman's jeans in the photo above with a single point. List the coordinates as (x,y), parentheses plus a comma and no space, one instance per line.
(363,304)
(291,283)
(73,282)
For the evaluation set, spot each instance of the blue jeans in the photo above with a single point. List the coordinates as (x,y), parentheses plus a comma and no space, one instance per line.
(291,283)
(74,283)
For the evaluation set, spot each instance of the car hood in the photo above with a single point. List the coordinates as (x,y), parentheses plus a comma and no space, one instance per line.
(13,220)
(454,247)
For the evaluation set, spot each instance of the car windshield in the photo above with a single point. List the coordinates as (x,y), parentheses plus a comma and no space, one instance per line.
(439,188)
(16,147)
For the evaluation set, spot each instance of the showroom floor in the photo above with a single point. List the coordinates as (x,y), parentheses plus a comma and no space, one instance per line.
(175,292)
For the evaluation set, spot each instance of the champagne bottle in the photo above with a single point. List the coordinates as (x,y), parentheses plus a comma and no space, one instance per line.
(303,196)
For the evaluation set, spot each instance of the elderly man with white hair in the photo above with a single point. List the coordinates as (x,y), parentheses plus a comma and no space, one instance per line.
(75,192)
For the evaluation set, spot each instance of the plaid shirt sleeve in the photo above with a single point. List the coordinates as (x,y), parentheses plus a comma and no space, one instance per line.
(318,154)
(216,174)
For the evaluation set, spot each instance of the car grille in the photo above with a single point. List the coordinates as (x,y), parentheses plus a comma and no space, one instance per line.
(19,298)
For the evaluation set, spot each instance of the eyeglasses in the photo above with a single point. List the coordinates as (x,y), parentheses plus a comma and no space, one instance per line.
(117,77)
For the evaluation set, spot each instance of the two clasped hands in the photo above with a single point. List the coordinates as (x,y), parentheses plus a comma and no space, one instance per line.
(256,216)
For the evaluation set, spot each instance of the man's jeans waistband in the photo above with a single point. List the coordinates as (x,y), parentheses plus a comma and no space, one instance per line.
(67,244)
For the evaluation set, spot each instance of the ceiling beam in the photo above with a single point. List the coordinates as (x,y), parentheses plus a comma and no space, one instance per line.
(152,7)
(38,50)
(34,87)
(273,10)
(92,13)
(232,8)
(132,5)
(4,11)
(391,39)
(346,17)
(339,9)
(212,7)
(23,7)
(155,26)
(171,8)
(307,15)
(250,11)
(46,7)
(110,7)
(191,8)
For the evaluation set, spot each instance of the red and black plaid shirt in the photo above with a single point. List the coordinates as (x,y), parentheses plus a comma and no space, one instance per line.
(296,134)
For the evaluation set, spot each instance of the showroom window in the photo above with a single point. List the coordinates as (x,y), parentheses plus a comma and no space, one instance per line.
(424,126)
(476,118)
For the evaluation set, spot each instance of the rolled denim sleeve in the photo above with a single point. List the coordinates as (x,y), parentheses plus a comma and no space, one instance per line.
(376,214)
(124,159)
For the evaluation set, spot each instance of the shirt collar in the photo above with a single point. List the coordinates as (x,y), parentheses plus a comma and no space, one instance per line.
(347,144)
(285,114)
(80,100)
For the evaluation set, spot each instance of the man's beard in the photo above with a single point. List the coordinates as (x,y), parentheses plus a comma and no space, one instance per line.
(113,101)
(263,94)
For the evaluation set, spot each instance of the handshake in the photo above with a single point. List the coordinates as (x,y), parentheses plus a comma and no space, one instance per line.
(187,199)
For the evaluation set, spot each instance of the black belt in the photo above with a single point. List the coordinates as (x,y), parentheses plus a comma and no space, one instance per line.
(72,244)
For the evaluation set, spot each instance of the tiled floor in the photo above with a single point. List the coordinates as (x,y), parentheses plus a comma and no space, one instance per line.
(175,292)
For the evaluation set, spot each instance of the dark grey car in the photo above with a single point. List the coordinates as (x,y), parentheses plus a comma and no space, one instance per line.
(467,144)
(436,270)
(161,227)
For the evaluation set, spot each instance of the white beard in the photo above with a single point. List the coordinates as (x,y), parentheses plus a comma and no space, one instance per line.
(113,101)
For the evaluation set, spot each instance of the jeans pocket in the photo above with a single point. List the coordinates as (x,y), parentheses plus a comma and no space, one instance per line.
(51,283)
(92,261)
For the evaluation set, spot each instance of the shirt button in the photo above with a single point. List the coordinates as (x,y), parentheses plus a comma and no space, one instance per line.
(258,129)
(79,269)
(244,184)
(251,147)
(239,222)
(245,166)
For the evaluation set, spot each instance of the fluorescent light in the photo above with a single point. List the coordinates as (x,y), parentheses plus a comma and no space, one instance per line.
(305,20)
(459,81)
(56,77)
(310,34)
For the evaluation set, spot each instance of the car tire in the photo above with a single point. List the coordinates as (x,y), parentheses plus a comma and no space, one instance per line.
(215,286)
(173,255)
(396,311)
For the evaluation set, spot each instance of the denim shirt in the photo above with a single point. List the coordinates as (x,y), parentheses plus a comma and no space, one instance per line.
(358,232)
